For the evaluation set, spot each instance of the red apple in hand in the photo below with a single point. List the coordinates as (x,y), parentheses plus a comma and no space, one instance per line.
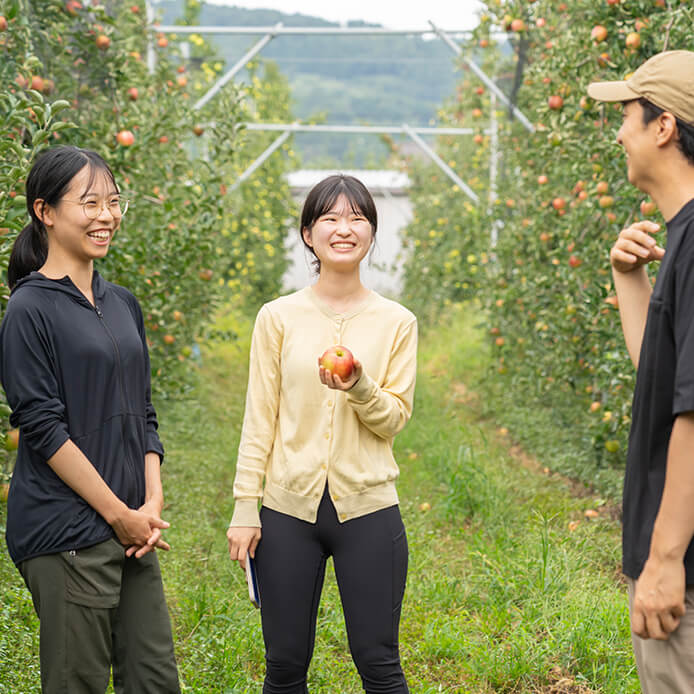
(339,361)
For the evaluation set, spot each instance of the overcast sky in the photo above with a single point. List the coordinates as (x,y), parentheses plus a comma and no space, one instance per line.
(401,14)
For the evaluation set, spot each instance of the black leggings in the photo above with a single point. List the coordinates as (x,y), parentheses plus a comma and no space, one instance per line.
(370,558)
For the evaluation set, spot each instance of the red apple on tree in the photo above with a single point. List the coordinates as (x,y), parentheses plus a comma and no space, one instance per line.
(103,41)
(555,102)
(72,6)
(599,33)
(339,361)
(125,138)
(648,207)
(3,23)
(633,40)
(133,93)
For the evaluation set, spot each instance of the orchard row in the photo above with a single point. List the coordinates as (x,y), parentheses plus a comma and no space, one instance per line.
(74,73)
(562,199)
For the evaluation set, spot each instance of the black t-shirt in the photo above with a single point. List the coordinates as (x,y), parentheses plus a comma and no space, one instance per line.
(664,389)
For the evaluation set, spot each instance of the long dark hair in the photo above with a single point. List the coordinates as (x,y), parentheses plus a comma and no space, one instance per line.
(323,196)
(48,180)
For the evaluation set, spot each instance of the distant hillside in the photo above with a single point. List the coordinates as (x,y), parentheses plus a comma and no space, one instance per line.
(374,80)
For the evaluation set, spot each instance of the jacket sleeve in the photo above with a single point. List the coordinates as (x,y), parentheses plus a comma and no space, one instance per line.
(153,443)
(385,408)
(259,420)
(28,373)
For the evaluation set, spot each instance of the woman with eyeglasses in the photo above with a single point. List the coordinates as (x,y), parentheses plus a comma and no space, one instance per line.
(85,501)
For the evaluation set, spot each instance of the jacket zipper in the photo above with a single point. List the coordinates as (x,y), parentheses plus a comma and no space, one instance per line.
(120,383)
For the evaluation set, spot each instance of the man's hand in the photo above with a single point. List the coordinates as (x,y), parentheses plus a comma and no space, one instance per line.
(658,599)
(635,247)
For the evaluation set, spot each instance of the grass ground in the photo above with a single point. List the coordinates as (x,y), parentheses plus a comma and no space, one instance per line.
(512,588)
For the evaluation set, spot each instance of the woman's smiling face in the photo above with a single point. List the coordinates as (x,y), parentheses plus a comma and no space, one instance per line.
(71,230)
(341,236)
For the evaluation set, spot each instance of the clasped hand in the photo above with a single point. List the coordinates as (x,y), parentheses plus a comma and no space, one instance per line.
(140,530)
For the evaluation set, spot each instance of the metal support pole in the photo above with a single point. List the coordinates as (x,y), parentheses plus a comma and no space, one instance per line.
(151,55)
(364,129)
(307,31)
(261,159)
(248,56)
(494,156)
(441,164)
(491,85)
(493,151)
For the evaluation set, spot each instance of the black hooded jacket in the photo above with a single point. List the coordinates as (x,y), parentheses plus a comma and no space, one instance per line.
(74,371)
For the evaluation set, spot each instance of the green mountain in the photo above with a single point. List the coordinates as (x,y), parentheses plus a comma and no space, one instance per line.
(344,79)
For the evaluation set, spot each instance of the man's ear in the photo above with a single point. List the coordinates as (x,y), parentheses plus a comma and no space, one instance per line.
(44,212)
(666,129)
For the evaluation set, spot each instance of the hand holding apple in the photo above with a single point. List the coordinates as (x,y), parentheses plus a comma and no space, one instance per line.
(338,369)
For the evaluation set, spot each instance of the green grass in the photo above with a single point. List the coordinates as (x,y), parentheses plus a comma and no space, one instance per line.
(502,596)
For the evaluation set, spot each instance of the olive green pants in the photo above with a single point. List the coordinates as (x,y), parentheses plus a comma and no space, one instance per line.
(99,610)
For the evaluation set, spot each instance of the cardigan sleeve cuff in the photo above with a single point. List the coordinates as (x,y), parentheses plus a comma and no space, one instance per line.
(363,390)
(246,514)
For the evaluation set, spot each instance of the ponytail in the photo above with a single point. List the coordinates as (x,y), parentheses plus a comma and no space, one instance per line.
(29,252)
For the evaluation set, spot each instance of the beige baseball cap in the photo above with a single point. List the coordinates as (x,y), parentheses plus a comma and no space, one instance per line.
(666,80)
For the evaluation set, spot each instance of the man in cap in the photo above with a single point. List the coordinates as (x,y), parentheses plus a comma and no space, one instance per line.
(657,134)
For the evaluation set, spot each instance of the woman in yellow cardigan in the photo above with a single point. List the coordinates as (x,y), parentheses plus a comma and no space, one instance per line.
(316,450)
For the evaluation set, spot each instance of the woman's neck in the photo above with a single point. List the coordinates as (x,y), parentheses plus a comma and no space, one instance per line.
(81,273)
(342,293)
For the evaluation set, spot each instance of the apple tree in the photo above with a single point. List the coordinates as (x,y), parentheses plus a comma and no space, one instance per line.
(76,73)
(562,199)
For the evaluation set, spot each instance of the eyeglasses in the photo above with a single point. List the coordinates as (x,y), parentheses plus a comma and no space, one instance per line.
(116,205)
